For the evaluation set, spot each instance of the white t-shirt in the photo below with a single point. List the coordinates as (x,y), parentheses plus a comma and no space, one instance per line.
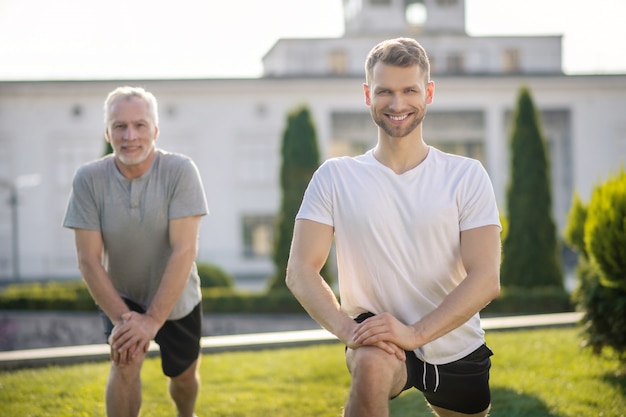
(397,237)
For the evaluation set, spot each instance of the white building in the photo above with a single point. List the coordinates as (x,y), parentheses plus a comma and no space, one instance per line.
(233,127)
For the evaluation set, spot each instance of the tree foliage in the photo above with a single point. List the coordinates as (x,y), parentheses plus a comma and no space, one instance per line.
(530,250)
(605,230)
(598,233)
(300,159)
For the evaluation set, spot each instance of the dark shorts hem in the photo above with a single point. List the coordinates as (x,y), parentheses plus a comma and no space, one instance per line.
(178,340)
(461,386)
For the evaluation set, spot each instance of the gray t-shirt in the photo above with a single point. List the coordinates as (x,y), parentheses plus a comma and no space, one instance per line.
(133,217)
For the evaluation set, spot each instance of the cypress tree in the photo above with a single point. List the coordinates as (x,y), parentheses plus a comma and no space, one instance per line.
(300,159)
(530,250)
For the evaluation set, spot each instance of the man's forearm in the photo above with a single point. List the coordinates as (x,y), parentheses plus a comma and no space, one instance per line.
(172,285)
(102,291)
(318,299)
(471,296)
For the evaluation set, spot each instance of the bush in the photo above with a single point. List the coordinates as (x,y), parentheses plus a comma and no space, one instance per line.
(598,232)
(604,311)
(537,300)
(225,300)
(73,296)
(52,295)
(605,231)
(213,276)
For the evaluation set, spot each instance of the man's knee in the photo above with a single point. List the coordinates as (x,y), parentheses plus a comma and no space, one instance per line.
(372,363)
(127,372)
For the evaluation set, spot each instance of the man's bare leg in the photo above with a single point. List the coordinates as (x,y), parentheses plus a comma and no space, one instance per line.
(376,377)
(184,390)
(123,390)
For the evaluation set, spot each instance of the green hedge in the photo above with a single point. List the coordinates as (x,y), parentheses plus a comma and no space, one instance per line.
(53,295)
(539,300)
(221,300)
(73,296)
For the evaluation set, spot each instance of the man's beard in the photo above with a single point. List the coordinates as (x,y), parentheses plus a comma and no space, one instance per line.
(395,131)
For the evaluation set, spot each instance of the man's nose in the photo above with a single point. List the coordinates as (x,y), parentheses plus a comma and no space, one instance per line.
(130,133)
(397,102)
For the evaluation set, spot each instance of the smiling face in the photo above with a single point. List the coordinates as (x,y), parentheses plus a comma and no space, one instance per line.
(132,134)
(397,97)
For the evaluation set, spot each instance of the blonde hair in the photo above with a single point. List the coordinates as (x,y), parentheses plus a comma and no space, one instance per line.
(400,52)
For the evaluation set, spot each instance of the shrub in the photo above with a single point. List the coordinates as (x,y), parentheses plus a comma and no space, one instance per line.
(598,232)
(575,227)
(52,295)
(213,276)
(536,300)
(227,300)
(605,231)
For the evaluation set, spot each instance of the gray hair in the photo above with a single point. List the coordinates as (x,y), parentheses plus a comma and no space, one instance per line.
(126,93)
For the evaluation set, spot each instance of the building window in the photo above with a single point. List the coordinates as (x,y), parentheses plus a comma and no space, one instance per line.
(256,163)
(338,62)
(352,133)
(511,60)
(455,63)
(258,235)
(71,154)
(460,132)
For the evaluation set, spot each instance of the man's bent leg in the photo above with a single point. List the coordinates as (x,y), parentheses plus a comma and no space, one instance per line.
(376,377)
(123,391)
(184,389)
(442,412)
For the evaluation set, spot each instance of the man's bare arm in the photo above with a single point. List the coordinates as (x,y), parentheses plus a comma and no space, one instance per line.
(480,253)
(309,250)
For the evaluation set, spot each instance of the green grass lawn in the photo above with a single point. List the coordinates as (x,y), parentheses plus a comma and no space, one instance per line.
(536,373)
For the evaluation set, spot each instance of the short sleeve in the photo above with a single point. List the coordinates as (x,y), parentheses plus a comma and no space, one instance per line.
(478,203)
(188,197)
(317,201)
(82,210)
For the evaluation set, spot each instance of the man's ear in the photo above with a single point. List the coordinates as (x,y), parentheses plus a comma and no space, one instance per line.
(430,92)
(366,90)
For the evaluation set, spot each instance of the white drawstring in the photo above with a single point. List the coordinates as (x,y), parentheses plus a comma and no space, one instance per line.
(436,377)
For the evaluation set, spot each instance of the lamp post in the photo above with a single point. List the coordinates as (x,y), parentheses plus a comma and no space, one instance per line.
(21,182)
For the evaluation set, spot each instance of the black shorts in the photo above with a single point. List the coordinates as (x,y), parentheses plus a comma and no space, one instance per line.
(461,386)
(178,340)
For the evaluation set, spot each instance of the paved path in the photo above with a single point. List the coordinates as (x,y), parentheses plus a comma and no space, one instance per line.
(84,353)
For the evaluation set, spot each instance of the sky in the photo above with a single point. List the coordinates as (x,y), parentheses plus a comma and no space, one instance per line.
(147,39)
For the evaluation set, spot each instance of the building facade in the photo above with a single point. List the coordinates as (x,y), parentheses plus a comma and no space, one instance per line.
(233,127)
